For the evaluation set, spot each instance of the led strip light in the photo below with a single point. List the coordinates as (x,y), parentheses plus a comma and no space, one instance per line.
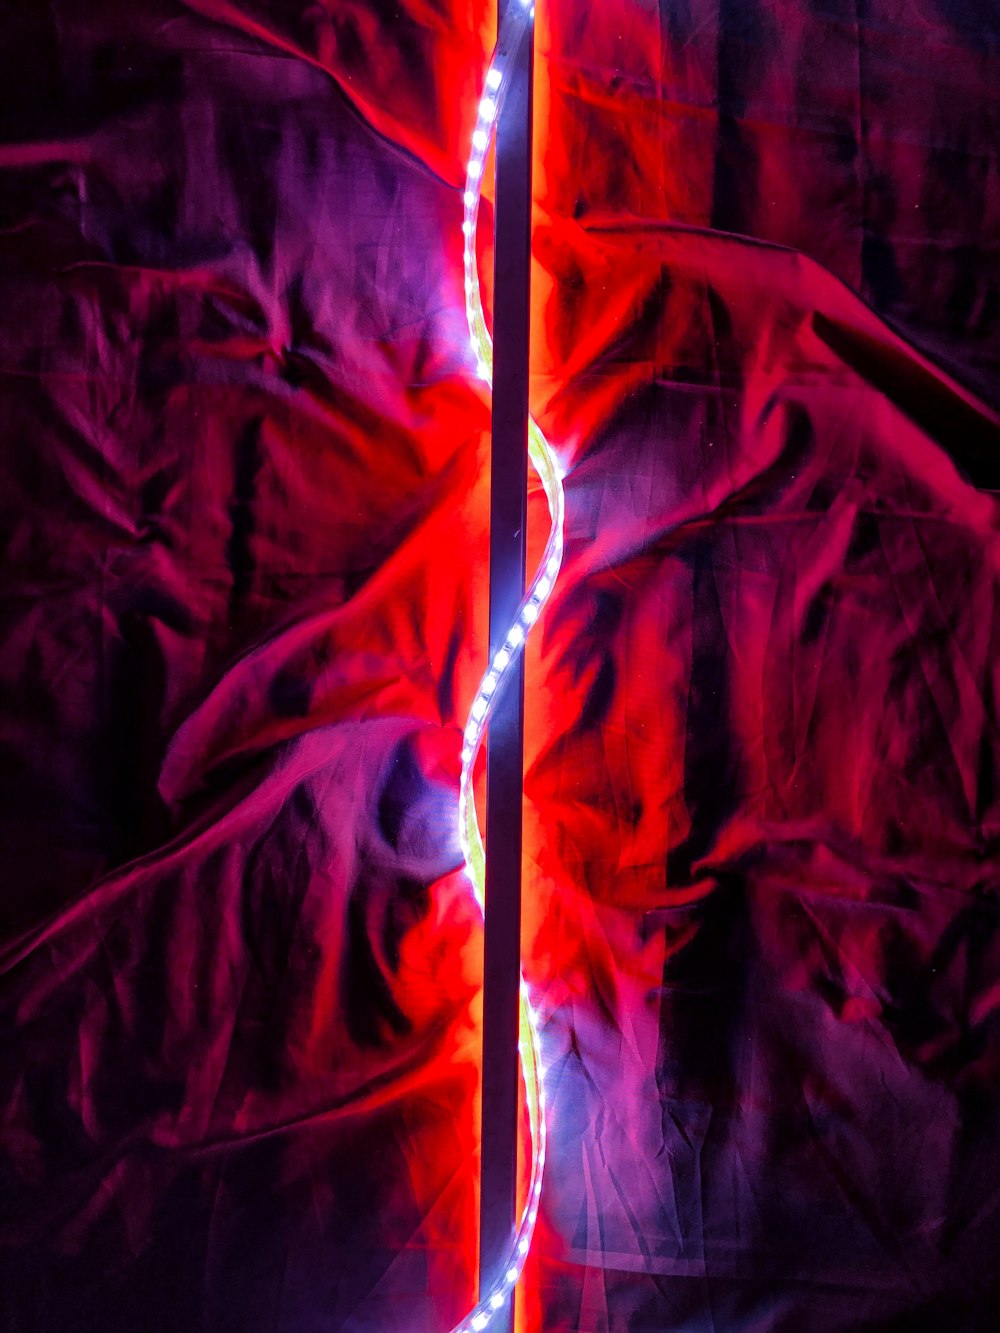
(549,473)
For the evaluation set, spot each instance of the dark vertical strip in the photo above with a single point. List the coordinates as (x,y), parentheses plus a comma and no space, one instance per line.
(505,751)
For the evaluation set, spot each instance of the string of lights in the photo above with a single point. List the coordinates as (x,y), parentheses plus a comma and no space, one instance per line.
(547,467)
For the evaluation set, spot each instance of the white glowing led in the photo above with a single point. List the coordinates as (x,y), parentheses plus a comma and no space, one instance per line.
(550,472)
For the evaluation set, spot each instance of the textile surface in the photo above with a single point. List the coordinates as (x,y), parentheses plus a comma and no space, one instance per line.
(244,517)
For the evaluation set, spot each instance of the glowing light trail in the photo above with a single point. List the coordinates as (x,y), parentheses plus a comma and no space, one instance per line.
(540,587)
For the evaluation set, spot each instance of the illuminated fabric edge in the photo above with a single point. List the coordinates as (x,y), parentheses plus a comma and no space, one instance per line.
(540,587)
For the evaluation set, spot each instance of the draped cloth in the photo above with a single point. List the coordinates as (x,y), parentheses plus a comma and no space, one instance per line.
(245,506)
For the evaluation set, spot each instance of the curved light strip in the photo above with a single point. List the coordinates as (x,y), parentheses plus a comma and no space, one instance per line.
(547,467)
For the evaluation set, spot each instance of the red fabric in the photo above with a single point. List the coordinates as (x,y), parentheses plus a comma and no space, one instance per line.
(244,511)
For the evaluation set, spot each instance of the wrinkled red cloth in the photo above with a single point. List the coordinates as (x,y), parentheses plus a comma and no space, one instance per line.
(245,526)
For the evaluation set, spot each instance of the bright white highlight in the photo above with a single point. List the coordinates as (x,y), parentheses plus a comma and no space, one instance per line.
(550,473)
